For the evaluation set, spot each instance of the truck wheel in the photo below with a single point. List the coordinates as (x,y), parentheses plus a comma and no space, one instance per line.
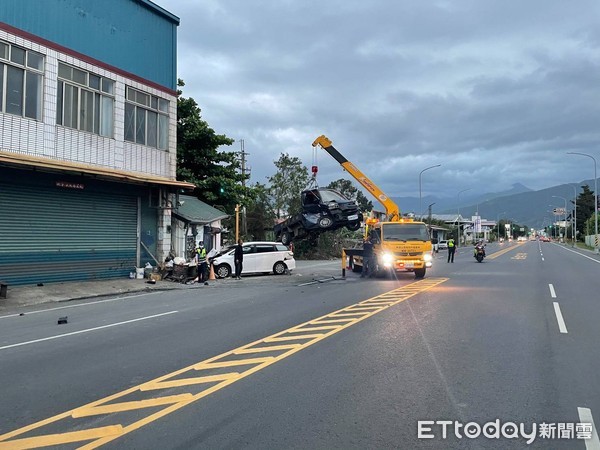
(420,273)
(286,238)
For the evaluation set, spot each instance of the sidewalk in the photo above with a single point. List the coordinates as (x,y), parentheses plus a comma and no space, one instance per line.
(28,295)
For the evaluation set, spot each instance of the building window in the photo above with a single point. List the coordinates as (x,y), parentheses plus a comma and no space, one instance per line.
(85,101)
(146,119)
(21,75)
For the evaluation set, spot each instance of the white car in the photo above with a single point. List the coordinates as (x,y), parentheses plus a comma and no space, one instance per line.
(259,257)
(443,245)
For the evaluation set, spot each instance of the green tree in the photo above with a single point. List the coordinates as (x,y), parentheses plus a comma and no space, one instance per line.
(259,213)
(200,161)
(585,210)
(353,193)
(287,184)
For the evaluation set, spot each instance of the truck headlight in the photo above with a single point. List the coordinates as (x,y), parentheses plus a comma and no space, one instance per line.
(387,259)
(427,257)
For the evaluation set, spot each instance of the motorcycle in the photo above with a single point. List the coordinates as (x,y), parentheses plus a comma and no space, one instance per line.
(479,253)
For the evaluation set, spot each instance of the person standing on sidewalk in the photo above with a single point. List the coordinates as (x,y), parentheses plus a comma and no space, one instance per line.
(451,250)
(238,258)
(201,263)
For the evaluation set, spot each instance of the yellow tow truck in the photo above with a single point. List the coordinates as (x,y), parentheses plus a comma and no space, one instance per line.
(400,244)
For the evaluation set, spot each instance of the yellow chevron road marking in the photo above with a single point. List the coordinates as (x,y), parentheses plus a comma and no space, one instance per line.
(129,406)
(64,438)
(136,407)
(188,381)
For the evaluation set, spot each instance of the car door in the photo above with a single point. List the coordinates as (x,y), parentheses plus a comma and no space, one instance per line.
(249,262)
(266,257)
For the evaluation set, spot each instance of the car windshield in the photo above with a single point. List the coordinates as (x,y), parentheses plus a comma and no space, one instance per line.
(405,232)
(328,195)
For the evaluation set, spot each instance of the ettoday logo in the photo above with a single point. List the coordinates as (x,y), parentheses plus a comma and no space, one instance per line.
(430,429)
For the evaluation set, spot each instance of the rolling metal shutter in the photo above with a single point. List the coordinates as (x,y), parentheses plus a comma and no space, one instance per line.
(54,234)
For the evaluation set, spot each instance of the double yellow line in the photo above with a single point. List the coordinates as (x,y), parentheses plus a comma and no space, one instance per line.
(502,252)
(133,408)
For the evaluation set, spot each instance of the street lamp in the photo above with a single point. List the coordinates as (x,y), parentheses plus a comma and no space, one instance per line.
(574,216)
(427,168)
(565,200)
(595,199)
(458,212)
(553,226)
(429,211)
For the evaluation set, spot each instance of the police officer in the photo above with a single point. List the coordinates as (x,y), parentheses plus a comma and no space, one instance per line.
(451,250)
(201,263)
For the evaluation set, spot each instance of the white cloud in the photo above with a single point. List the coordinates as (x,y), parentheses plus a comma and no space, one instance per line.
(496,92)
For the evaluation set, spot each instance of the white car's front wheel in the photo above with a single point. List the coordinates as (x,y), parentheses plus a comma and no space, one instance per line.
(223,271)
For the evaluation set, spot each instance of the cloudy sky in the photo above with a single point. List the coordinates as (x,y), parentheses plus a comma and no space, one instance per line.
(495,91)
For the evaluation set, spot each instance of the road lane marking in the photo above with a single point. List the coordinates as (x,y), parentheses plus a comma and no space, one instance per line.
(520,256)
(85,331)
(552,292)
(201,379)
(502,252)
(80,304)
(559,317)
(585,416)
(65,438)
(580,254)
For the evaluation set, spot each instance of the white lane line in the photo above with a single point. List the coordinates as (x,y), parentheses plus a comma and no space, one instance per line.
(85,331)
(559,317)
(552,292)
(80,304)
(543,259)
(580,254)
(585,416)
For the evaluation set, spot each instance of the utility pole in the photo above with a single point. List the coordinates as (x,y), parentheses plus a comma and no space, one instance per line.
(430,216)
(244,170)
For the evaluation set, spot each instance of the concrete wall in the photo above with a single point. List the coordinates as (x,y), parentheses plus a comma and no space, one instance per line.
(133,35)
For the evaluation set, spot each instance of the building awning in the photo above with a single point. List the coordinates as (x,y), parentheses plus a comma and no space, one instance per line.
(20,160)
(194,211)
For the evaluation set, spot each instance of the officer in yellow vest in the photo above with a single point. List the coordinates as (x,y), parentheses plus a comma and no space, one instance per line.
(201,263)
(451,250)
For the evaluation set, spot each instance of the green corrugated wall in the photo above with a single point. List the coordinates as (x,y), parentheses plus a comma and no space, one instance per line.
(49,233)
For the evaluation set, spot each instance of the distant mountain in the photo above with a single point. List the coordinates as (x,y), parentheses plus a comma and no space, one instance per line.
(519,203)
(531,208)
(516,188)
(450,205)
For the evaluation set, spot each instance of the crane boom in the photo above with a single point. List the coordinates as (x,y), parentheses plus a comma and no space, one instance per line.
(391,209)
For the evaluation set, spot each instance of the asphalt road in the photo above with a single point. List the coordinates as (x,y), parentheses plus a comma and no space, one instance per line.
(510,340)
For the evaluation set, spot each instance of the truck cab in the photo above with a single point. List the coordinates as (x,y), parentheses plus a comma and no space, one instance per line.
(400,246)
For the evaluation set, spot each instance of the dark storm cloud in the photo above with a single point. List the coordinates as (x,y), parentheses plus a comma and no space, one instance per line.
(496,92)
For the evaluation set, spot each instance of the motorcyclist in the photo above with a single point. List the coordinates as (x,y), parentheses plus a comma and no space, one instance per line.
(481,245)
